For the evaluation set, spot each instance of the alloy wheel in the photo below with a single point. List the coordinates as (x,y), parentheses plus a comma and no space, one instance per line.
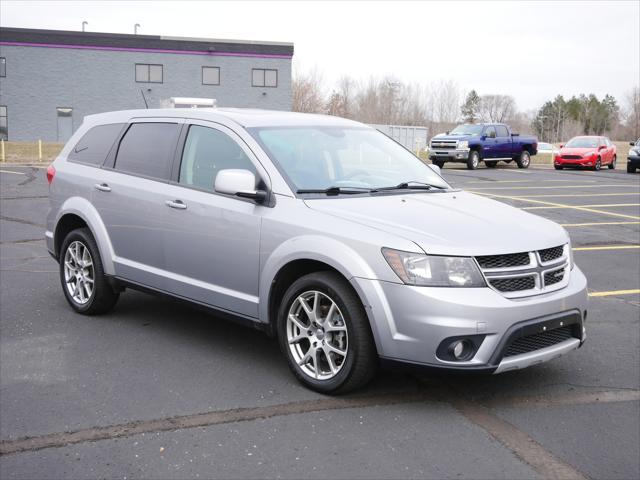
(79,274)
(317,335)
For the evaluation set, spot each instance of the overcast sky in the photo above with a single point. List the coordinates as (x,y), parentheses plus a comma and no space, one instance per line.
(531,50)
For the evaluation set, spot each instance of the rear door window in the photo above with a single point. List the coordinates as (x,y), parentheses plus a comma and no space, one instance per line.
(95,145)
(502,131)
(147,149)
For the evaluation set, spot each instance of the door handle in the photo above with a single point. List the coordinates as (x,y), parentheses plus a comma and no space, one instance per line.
(103,187)
(178,204)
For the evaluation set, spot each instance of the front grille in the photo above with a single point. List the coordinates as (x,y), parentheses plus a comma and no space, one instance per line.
(554,276)
(503,261)
(531,343)
(551,254)
(515,284)
(572,157)
(444,145)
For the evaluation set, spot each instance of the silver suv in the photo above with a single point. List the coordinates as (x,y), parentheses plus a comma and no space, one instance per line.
(321,231)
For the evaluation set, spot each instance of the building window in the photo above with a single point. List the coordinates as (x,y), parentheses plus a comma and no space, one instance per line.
(3,67)
(261,77)
(4,130)
(211,75)
(148,73)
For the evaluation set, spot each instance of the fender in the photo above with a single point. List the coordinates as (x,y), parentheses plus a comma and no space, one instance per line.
(310,247)
(82,208)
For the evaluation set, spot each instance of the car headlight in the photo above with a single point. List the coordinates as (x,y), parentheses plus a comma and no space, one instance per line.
(434,271)
(463,144)
(588,154)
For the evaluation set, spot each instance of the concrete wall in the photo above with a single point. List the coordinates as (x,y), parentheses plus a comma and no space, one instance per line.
(92,81)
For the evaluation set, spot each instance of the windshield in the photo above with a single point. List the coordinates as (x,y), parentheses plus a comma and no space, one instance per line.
(326,157)
(467,129)
(582,142)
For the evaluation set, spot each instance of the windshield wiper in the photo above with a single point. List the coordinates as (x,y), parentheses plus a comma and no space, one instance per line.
(335,190)
(412,185)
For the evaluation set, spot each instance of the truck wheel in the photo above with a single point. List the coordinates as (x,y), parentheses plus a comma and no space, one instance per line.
(612,165)
(631,168)
(524,160)
(474,160)
(82,277)
(438,163)
(324,332)
(490,164)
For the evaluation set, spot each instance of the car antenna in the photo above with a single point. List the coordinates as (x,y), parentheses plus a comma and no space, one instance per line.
(146,105)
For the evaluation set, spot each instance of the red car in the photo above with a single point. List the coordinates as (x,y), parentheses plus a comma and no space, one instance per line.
(592,152)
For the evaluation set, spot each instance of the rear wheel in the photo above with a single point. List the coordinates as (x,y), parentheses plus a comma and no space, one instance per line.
(438,163)
(491,164)
(524,160)
(474,160)
(324,333)
(598,164)
(82,277)
(612,165)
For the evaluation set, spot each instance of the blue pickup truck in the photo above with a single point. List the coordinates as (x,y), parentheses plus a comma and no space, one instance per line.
(483,142)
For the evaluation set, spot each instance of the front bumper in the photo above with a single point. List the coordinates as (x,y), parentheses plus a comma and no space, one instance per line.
(634,160)
(409,323)
(457,155)
(582,162)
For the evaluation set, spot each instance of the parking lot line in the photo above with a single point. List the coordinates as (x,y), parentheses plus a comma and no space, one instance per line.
(571,195)
(524,181)
(606,247)
(614,292)
(596,224)
(586,206)
(612,185)
(15,173)
(582,209)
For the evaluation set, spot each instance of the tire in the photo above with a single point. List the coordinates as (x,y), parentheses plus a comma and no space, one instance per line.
(438,163)
(79,249)
(524,160)
(631,168)
(612,165)
(474,160)
(350,333)
(598,164)
(558,167)
(490,164)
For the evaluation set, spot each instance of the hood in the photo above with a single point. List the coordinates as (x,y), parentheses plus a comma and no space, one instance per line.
(452,223)
(577,151)
(444,136)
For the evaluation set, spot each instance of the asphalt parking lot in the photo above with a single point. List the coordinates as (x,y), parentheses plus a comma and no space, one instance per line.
(156,389)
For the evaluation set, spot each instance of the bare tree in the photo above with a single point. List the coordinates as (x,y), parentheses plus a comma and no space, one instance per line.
(633,111)
(307,92)
(446,101)
(497,108)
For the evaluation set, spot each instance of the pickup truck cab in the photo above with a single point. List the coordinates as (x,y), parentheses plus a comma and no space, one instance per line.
(487,142)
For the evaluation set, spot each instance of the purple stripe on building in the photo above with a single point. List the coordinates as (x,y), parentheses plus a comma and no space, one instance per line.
(148,50)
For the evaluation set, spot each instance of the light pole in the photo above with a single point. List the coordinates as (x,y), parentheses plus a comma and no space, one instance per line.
(135,28)
(83,24)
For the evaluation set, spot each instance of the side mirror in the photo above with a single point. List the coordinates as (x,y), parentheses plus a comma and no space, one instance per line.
(436,169)
(601,147)
(633,144)
(562,145)
(447,132)
(241,183)
(483,137)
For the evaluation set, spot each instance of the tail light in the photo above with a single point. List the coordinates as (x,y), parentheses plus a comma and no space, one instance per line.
(51,172)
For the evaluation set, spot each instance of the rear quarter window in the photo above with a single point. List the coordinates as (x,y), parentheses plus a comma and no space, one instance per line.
(147,149)
(94,146)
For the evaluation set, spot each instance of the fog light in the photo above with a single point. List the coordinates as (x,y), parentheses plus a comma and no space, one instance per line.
(461,349)
(458,349)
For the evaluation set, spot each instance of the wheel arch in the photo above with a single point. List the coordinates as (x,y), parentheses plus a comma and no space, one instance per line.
(77,212)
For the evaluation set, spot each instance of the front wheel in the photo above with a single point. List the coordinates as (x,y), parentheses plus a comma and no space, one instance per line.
(324,332)
(524,160)
(558,167)
(631,168)
(612,165)
(82,277)
(490,164)
(598,165)
(438,163)
(474,160)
